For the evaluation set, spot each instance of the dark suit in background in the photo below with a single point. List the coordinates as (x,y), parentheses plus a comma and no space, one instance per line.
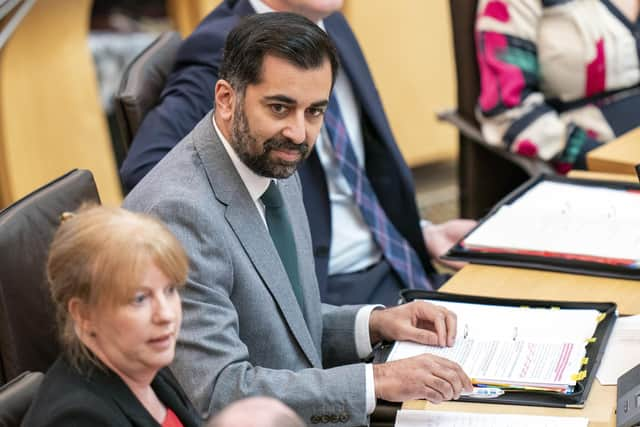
(68,398)
(189,95)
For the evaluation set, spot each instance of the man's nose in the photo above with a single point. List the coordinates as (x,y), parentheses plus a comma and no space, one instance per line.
(296,130)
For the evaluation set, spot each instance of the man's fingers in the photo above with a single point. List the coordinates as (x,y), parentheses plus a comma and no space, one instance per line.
(423,377)
(444,321)
(441,385)
(424,336)
(452,327)
(440,327)
(453,378)
(432,395)
(465,381)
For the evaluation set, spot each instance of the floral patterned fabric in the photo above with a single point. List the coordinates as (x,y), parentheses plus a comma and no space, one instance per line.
(558,77)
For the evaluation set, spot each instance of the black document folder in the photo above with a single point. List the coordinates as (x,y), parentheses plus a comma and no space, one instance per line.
(595,347)
(544,260)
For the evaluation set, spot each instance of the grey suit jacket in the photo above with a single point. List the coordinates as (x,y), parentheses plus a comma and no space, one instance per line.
(243,332)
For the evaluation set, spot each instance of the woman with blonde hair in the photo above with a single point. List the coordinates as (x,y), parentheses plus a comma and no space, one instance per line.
(114,277)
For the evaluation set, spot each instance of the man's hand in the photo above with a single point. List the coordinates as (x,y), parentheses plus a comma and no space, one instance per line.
(417,321)
(440,237)
(421,377)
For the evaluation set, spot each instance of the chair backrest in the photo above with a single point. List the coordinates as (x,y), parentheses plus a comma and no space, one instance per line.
(463,19)
(143,82)
(28,337)
(484,175)
(16,396)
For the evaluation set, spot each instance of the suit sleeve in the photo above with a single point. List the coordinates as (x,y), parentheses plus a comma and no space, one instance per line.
(338,334)
(213,363)
(512,108)
(186,98)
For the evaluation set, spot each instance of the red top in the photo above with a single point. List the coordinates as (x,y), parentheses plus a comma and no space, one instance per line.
(171,420)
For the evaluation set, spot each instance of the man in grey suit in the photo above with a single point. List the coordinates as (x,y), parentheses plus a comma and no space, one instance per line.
(253,323)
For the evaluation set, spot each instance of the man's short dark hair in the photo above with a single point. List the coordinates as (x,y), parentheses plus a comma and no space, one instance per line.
(285,35)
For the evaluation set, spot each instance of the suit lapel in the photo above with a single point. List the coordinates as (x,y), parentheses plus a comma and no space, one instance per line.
(170,393)
(243,217)
(111,386)
(166,388)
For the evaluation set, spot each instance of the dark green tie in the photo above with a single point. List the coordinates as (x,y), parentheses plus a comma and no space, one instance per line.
(282,236)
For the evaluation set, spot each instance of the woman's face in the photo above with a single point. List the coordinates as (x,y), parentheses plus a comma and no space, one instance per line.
(138,337)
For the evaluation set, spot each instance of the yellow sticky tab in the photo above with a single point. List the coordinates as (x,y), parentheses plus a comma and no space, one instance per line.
(591,340)
(579,376)
(555,308)
(585,360)
(524,306)
(601,317)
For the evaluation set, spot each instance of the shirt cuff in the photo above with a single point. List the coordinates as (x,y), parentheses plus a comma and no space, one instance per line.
(363,339)
(370,388)
(424,223)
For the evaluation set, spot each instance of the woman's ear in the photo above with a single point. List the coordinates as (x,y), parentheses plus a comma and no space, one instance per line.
(81,316)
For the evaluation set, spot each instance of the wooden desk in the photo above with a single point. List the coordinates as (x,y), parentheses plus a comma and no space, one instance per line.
(603,176)
(534,284)
(618,156)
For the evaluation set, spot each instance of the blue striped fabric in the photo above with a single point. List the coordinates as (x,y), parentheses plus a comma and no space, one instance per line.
(396,249)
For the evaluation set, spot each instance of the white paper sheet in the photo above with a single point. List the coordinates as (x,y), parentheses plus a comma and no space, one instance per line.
(416,418)
(622,352)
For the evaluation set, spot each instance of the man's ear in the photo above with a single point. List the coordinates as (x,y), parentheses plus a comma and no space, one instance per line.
(225,100)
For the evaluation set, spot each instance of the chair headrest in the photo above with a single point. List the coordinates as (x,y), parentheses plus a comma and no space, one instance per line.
(143,82)
(28,337)
(16,396)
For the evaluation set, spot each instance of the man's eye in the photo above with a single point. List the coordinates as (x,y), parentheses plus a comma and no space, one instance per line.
(316,112)
(278,108)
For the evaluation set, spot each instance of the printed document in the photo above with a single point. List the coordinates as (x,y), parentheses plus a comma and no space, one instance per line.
(416,418)
(515,346)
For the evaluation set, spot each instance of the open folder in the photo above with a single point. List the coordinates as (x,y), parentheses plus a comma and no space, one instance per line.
(563,224)
(542,353)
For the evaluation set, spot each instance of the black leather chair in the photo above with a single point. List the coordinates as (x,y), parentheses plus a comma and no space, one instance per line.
(142,83)
(16,396)
(28,337)
(486,173)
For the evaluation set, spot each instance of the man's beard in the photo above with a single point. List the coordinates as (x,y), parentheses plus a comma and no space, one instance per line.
(243,144)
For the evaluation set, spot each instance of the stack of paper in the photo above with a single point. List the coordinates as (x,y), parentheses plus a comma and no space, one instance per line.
(622,352)
(565,221)
(515,347)
(412,418)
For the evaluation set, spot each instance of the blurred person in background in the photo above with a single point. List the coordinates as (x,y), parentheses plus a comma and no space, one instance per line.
(256,412)
(558,77)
